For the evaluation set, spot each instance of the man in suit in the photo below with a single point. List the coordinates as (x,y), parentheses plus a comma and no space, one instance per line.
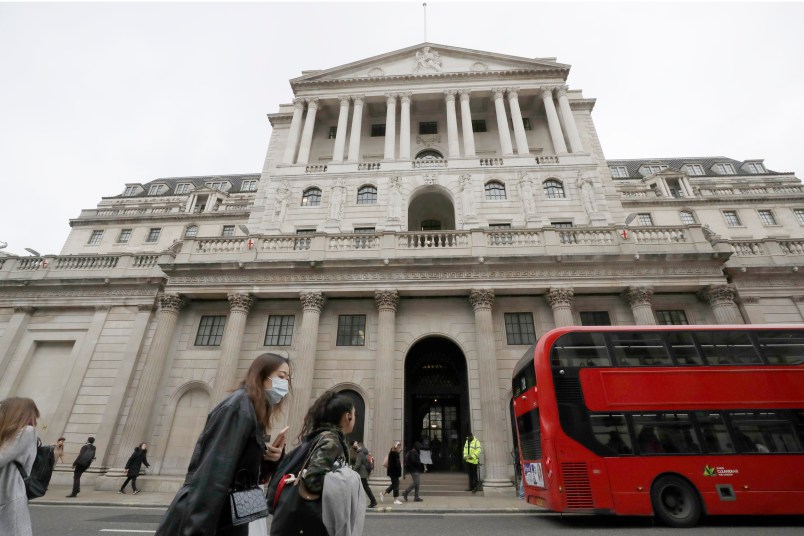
(81,464)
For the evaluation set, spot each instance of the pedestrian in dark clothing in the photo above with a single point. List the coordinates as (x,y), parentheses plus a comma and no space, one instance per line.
(85,458)
(362,468)
(133,466)
(413,465)
(231,445)
(394,471)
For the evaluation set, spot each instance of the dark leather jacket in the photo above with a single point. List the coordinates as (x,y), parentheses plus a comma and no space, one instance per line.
(135,462)
(231,446)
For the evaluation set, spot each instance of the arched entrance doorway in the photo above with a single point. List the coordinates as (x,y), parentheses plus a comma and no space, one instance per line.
(431,210)
(437,400)
(360,416)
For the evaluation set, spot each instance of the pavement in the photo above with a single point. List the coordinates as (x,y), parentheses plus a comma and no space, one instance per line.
(56,495)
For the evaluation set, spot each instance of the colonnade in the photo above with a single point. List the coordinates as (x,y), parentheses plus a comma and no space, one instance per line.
(560,122)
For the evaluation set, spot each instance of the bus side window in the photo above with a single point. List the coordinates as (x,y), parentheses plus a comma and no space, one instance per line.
(612,432)
(782,347)
(765,431)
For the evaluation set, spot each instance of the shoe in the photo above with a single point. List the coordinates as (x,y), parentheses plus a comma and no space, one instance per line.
(373,505)
(121,492)
(469,489)
(397,501)
(136,491)
(418,499)
(405,495)
(72,495)
(382,497)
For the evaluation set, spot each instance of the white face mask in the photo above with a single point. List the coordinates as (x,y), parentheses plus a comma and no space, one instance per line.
(278,390)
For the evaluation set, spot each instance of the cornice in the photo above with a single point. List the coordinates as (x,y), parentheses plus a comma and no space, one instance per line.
(582,104)
(730,200)
(165,217)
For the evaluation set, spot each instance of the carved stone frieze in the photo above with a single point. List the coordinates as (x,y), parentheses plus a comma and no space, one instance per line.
(558,297)
(636,296)
(387,300)
(481,298)
(240,303)
(718,294)
(172,302)
(312,301)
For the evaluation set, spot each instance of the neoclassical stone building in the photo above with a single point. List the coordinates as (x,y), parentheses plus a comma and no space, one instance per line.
(421,218)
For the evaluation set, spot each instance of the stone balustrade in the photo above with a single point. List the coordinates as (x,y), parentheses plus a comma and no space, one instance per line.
(429,163)
(792,247)
(87,263)
(658,235)
(747,249)
(77,266)
(547,160)
(353,242)
(369,166)
(594,237)
(487,162)
(220,245)
(433,239)
(315,168)
(513,238)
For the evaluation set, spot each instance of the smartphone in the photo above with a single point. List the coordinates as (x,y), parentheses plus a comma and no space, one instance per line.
(280,437)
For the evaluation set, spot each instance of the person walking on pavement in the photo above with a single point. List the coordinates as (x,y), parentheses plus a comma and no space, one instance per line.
(58,450)
(413,464)
(17,451)
(82,462)
(394,471)
(362,467)
(133,466)
(471,455)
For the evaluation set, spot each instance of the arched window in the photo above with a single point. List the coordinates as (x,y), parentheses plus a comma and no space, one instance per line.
(687,217)
(553,189)
(191,231)
(495,190)
(367,195)
(311,197)
(429,154)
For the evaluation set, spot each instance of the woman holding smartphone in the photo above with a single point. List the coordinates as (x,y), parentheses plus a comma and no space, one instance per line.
(232,446)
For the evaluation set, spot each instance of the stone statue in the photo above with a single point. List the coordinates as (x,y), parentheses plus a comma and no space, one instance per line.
(336,200)
(587,190)
(467,196)
(526,192)
(281,203)
(395,199)
(427,60)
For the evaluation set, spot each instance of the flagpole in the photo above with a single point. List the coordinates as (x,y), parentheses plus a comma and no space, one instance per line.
(424,5)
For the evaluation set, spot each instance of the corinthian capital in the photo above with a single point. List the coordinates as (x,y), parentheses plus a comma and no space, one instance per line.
(718,294)
(498,92)
(387,300)
(312,103)
(513,93)
(240,303)
(344,99)
(561,91)
(638,296)
(405,97)
(481,298)
(299,103)
(464,93)
(449,95)
(172,302)
(390,98)
(557,297)
(547,92)
(359,99)
(312,301)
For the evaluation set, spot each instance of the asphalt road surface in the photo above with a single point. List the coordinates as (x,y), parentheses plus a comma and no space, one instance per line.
(113,521)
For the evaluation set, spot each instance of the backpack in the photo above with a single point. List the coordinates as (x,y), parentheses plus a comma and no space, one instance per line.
(37,482)
(370,459)
(87,456)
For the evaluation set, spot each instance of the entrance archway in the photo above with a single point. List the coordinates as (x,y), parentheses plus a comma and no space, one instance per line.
(431,210)
(437,400)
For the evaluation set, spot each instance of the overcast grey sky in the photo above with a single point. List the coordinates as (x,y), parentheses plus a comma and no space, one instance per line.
(96,95)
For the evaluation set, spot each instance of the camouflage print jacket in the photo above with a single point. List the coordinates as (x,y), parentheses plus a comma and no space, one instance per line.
(329,452)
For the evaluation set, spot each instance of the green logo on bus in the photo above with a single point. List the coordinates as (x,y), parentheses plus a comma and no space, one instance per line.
(709,471)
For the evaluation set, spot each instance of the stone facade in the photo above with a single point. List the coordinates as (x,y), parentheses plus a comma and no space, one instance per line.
(420,217)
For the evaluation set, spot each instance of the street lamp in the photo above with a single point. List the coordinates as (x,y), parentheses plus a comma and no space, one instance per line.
(244,229)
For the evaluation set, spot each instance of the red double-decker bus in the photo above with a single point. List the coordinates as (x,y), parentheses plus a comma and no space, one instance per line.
(671,421)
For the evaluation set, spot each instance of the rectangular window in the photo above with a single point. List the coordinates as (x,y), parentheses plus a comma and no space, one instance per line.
(727,348)
(130,190)
(764,432)
(665,433)
(561,224)
(154,189)
(714,433)
(280,330)
(695,169)
(479,125)
(530,440)
(619,172)
(219,185)
(755,168)
(767,217)
(611,431)
(799,212)
(671,318)
(351,330)
(228,230)
(683,348)
(95,238)
(687,217)
(428,127)
(575,350)
(499,226)
(526,123)
(595,318)
(781,347)
(639,349)
(333,132)
(732,220)
(182,188)
(724,169)
(210,331)
(645,219)
(124,236)
(248,186)
(378,130)
(656,168)
(519,328)
(153,234)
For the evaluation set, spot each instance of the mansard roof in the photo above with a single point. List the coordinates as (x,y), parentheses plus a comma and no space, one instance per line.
(676,164)
(447,61)
(196,181)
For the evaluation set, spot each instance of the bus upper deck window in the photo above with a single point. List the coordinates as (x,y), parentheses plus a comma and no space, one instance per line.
(581,350)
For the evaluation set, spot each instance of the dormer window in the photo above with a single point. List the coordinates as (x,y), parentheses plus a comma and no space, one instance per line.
(218,185)
(650,169)
(724,169)
(755,167)
(183,188)
(695,169)
(155,189)
(619,172)
(248,186)
(130,191)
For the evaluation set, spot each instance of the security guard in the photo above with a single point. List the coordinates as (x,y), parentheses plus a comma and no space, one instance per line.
(471,455)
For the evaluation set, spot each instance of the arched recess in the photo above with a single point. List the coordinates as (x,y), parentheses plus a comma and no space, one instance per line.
(431,204)
(429,154)
(184,423)
(359,431)
(437,400)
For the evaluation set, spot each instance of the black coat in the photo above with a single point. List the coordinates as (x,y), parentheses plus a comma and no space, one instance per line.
(414,462)
(231,445)
(394,465)
(136,461)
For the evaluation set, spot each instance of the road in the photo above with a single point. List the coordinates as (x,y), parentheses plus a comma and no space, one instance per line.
(113,521)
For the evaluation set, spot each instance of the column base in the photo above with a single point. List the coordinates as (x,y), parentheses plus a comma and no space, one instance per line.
(497,487)
(379,481)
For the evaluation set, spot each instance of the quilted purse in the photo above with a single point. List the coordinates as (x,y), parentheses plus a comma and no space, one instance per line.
(247,504)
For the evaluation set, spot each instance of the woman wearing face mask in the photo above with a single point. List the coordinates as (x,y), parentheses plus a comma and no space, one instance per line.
(232,446)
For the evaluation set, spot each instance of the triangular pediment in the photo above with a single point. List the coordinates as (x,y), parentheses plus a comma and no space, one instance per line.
(430,59)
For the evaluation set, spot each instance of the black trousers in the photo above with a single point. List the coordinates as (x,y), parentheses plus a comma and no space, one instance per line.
(133,480)
(79,470)
(393,487)
(368,491)
(471,468)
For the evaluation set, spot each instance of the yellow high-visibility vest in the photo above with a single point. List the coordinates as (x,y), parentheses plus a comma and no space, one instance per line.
(471,451)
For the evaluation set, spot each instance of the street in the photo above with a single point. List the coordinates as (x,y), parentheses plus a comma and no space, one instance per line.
(92,520)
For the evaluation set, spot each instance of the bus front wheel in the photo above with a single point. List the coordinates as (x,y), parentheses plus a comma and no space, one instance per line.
(675,502)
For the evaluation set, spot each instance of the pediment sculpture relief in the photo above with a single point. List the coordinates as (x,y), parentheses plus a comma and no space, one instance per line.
(427,59)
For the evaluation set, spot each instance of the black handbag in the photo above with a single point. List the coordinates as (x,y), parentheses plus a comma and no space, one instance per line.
(247,504)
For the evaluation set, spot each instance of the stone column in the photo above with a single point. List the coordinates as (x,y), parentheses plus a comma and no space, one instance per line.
(492,402)
(15,329)
(295,129)
(383,421)
(404,126)
(502,121)
(239,306)
(639,299)
(569,120)
(552,121)
(340,134)
(519,126)
(390,126)
(560,300)
(466,124)
(307,134)
(357,120)
(137,422)
(452,124)
(721,298)
(303,367)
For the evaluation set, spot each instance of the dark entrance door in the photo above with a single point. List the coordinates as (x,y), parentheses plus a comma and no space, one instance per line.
(437,400)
